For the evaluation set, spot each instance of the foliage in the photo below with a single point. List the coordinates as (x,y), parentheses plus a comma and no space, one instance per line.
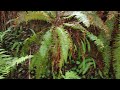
(40,60)
(8,62)
(85,65)
(71,75)
(67,44)
(116,56)
(92,37)
(32,15)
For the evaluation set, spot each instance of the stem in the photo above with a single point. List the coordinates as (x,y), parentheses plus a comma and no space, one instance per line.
(29,65)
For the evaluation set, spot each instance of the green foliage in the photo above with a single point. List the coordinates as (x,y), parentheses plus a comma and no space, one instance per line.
(52,14)
(96,40)
(64,47)
(71,75)
(2,34)
(106,54)
(8,62)
(86,65)
(79,15)
(94,19)
(32,15)
(92,37)
(107,49)
(110,23)
(16,46)
(40,59)
(65,44)
(116,56)
(28,42)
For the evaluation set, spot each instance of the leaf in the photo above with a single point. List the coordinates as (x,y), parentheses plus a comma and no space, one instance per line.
(116,56)
(20,60)
(40,59)
(65,44)
(97,41)
(83,46)
(14,45)
(77,62)
(79,15)
(100,73)
(8,62)
(94,19)
(92,37)
(1,77)
(87,67)
(33,39)
(32,15)
(52,14)
(88,45)
(71,75)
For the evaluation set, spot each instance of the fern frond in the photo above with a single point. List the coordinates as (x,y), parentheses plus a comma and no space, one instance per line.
(52,14)
(92,37)
(86,65)
(71,75)
(94,19)
(2,34)
(79,15)
(106,54)
(116,56)
(65,44)
(8,62)
(110,21)
(32,15)
(40,60)
(28,42)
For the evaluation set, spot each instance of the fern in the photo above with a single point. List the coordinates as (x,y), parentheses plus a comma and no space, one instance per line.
(116,56)
(32,15)
(2,34)
(40,60)
(79,15)
(106,54)
(92,37)
(16,46)
(28,42)
(52,14)
(8,62)
(94,19)
(85,65)
(65,44)
(71,75)
(110,23)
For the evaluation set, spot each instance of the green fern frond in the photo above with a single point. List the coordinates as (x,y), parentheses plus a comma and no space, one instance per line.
(52,14)
(8,62)
(28,42)
(106,54)
(40,60)
(94,19)
(92,37)
(2,34)
(71,75)
(86,65)
(96,40)
(116,56)
(79,15)
(110,22)
(32,15)
(65,44)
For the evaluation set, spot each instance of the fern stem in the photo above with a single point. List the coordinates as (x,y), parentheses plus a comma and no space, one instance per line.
(29,66)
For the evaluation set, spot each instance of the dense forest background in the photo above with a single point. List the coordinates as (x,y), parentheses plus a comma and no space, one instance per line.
(59,45)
